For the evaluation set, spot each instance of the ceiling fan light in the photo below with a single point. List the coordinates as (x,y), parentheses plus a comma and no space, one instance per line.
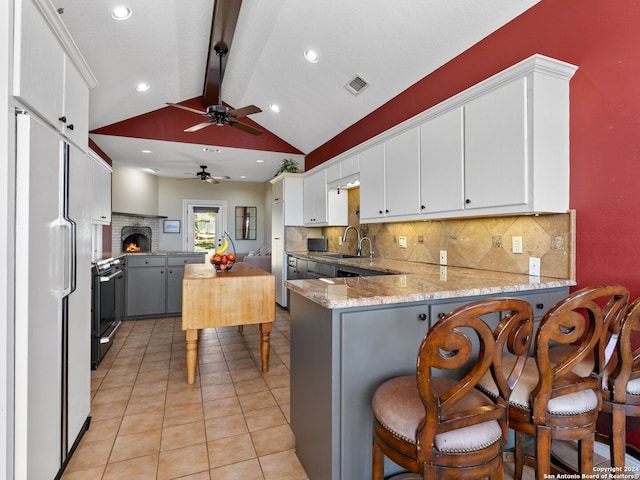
(121,13)
(311,56)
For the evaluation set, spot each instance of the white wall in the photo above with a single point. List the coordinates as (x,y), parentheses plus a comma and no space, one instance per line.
(172,192)
(133,191)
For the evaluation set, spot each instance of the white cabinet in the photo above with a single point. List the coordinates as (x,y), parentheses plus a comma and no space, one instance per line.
(372,183)
(315,198)
(390,178)
(101,201)
(402,174)
(499,148)
(74,121)
(287,188)
(323,206)
(442,163)
(496,154)
(46,77)
(286,210)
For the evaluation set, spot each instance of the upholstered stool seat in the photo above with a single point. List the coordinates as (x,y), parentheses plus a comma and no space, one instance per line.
(398,407)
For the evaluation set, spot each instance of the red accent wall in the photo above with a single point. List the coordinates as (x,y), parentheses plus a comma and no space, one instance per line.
(168,124)
(603,40)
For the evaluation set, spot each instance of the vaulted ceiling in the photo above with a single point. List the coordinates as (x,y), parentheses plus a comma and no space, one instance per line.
(166,43)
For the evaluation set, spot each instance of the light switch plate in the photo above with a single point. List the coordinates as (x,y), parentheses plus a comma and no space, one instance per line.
(516,244)
(443,257)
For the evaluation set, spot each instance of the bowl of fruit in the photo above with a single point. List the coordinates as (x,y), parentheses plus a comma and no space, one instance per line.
(221,260)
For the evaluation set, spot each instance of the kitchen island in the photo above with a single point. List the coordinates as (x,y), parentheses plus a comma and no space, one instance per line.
(244,295)
(348,335)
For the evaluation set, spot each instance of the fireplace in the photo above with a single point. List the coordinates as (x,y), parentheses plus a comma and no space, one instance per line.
(136,239)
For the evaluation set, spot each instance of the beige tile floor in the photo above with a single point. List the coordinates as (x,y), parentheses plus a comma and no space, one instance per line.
(148,423)
(233,423)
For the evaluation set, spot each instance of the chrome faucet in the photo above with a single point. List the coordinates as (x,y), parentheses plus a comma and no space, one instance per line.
(370,246)
(359,239)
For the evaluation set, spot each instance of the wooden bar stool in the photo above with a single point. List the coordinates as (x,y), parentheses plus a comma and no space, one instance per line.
(560,398)
(444,428)
(621,387)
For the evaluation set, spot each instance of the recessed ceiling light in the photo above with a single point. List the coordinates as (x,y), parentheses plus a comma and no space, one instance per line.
(143,87)
(211,150)
(243,176)
(150,170)
(121,13)
(259,161)
(145,151)
(274,108)
(311,56)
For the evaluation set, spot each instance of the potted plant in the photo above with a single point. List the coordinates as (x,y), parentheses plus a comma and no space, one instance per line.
(288,165)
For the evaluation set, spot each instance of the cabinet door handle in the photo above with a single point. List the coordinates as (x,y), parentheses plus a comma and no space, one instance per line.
(422,316)
(467,201)
(441,315)
(539,306)
(380,212)
(422,207)
(70,126)
(63,119)
(386,211)
(161,272)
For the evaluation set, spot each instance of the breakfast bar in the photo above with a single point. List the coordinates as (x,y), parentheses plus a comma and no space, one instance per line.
(210,299)
(348,335)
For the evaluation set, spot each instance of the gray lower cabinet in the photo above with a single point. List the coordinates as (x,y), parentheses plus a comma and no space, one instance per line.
(339,357)
(154,284)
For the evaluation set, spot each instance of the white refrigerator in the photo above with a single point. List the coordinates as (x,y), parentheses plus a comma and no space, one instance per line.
(53,299)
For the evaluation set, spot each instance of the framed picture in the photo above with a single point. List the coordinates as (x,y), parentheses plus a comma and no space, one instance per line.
(171,226)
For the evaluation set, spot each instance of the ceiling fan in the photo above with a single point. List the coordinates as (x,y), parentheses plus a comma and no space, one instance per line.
(220,114)
(205,176)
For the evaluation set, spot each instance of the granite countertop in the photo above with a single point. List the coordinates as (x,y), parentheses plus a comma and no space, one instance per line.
(410,282)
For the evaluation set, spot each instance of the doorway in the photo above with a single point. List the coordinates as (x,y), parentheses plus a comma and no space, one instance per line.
(204,225)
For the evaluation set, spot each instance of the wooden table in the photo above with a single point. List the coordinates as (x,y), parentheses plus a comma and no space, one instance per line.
(243,296)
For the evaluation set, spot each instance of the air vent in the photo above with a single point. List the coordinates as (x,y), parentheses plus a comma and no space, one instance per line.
(356,85)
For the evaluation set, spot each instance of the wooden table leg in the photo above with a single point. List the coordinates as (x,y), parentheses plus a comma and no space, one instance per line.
(192,355)
(265,345)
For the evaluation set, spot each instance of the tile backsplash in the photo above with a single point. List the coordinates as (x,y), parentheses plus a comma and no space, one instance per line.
(484,243)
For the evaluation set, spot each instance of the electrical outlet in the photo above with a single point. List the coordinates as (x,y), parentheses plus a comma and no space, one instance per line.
(443,273)
(443,257)
(402,242)
(340,240)
(403,280)
(534,266)
(516,244)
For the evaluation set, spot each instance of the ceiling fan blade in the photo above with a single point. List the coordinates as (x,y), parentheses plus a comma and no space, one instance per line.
(210,180)
(245,128)
(244,111)
(199,126)
(188,109)
(221,177)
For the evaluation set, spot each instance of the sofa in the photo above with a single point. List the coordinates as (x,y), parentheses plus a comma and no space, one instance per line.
(260,258)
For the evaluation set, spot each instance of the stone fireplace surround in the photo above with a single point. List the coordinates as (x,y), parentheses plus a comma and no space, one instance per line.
(120,220)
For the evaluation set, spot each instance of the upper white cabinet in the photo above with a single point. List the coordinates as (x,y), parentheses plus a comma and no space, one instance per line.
(315,198)
(442,163)
(50,75)
(287,188)
(323,205)
(372,183)
(500,147)
(101,181)
(396,192)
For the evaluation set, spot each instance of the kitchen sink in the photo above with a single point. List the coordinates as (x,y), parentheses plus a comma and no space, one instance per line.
(339,255)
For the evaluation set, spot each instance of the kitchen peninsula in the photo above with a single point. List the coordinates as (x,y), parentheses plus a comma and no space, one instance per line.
(350,334)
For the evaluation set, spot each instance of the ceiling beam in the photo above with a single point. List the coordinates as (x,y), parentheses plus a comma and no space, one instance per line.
(223,26)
